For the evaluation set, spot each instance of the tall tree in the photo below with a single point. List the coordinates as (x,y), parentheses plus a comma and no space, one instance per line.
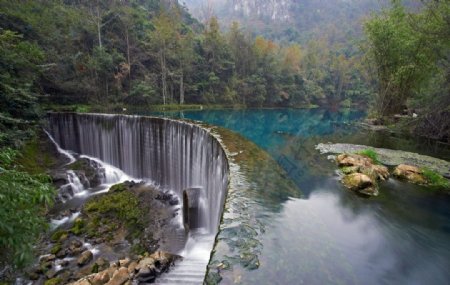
(164,39)
(400,58)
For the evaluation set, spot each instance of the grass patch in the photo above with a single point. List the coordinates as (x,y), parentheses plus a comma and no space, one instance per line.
(434,178)
(370,153)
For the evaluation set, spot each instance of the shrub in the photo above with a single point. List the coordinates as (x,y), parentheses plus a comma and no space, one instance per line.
(23,199)
(370,153)
(434,178)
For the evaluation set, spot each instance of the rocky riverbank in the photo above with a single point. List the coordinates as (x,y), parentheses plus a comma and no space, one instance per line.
(363,167)
(115,230)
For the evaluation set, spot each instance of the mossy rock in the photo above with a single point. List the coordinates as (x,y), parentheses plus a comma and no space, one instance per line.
(410,173)
(53,281)
(56,248)
(107,213)
(78,227)
(59,235)
(349,169)
(118,188)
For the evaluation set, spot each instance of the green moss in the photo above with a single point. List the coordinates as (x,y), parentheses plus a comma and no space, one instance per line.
(56,248)
(349,169)
(33,159)
(78,227)
(435,179)
(53,281)
(370,153)
(118,188)
(56,236)
(108,212)
(77,165)
(94,268)
(82,165)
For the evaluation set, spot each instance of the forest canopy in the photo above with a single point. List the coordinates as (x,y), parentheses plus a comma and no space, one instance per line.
(151,52)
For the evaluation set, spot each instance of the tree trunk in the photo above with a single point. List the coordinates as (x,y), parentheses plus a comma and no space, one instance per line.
(163,76)
(182,88)
(128,59)
(99,27)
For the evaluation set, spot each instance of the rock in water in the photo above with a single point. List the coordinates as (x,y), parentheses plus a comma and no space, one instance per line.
(411,173)
(164,260)
(352,163)
(120,277)
(85,258)
(361,183)
(345,160)
(381,171)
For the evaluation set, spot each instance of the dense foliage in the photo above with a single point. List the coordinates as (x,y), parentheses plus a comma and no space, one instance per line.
(23,198)
(409,55)
(152,52)
(18,73)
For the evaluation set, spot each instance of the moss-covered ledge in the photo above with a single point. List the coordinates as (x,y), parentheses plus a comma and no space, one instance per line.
(253,176)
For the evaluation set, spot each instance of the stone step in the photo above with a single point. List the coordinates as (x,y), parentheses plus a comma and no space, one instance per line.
(174,283)
(187,271)
(192,263)
(177,275)
(181,280)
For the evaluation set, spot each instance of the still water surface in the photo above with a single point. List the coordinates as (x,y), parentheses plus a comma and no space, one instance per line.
(324,234)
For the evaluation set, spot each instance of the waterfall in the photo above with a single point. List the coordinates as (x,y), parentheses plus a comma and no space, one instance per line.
(175,155)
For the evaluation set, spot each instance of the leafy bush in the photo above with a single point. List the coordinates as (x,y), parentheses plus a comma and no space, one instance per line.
(23,197)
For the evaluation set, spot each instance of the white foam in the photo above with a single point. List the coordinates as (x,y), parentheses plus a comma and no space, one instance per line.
(60,150)
(55,223)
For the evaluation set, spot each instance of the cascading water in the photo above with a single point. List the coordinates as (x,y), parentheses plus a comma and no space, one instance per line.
(174,155)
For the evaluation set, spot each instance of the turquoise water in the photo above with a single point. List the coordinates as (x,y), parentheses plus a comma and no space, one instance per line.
(323,234)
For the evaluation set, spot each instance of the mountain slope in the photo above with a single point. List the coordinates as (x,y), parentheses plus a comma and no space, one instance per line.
(287,20)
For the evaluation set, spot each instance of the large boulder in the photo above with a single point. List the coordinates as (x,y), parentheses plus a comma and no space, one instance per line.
(360,183)
(411,173)
(92,171)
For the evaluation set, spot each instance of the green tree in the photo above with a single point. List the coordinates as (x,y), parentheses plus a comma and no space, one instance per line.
(164,40)
(19,71)
(400,58)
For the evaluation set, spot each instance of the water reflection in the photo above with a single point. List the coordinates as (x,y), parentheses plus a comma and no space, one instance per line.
(328,235)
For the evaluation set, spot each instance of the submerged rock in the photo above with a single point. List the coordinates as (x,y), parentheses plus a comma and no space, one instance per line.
(411,173)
